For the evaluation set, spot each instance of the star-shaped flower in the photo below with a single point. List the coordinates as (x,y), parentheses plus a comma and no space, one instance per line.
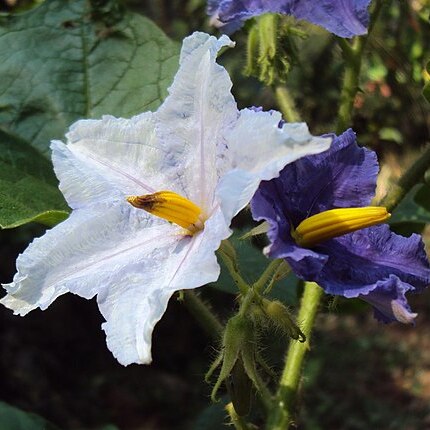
(118,243)
(345,18)
(309,211)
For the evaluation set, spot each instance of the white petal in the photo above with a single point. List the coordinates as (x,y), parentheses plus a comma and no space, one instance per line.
(84,254)
(122,155)
(133,262)
(259,150)
(135,303)
(193,119)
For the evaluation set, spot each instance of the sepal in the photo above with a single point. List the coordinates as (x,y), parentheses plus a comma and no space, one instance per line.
(238,364)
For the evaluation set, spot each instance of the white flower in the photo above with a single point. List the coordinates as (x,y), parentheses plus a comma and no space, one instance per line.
(197,145)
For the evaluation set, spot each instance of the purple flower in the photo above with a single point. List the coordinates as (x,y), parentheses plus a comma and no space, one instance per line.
(373,263)
(345,18)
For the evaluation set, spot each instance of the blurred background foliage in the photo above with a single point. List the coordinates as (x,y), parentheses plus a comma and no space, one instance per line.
(359,375)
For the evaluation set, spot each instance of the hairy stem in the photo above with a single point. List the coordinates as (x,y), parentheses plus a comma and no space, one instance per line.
(281,416)
(228,255)
(267,275)
(286,104)
(238,422)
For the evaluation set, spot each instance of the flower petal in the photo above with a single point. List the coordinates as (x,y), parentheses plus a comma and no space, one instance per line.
(304,261)
(84,254)
(133,305)
(343,176)
(120,155)
(345,18)
(193,117)
(389,301)
(132,262)
(359,260)
(267,150)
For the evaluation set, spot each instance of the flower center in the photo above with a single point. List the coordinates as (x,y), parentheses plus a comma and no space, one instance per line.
(171,207)
(337,222)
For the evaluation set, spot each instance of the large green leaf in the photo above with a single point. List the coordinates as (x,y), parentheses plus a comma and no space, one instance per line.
(71,59)
(65,60)
(28,187)
(14,419)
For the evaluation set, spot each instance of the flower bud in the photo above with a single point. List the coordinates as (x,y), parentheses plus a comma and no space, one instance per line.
(239,336)
(281,318)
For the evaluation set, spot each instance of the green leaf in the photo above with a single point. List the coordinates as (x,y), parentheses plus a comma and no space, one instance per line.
(422,197)
(252,263)
(63,61)
(66,60)
(410,209)
(14,419)
(413,213)
(28,186)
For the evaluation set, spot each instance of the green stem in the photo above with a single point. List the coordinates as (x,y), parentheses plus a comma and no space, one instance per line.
(353,55)
(267,275)
(202,313)
(285,397)
(247,301)
(411,177)
(286,104)
(238,422)
(228,255)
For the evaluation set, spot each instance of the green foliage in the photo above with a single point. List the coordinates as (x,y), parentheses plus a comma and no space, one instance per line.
(68,60)
(413,212)
(14,419)
(63,61)
(28,187)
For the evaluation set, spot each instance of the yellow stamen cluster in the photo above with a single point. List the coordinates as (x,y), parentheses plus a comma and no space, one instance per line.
(171,207)
(337,222)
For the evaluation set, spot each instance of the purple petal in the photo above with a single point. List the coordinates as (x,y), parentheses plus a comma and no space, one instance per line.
(358,261)
(345,18)
(266,206)
(343,176)
(389,301)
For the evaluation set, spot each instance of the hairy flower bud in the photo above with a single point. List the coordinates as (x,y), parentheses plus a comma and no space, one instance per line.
(282,319)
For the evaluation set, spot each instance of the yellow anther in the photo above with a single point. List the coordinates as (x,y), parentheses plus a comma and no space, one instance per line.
(337,222)
(171,207)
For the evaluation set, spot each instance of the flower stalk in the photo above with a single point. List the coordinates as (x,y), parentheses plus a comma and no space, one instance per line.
(238,422)
(353,55)
(228,255)
(286,104)
(281,415)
